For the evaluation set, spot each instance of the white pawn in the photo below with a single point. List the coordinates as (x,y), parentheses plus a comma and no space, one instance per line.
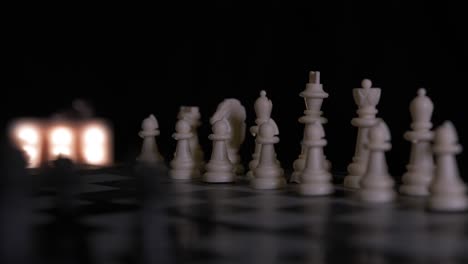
(315,179)
(219,168)
(149,151)
(376,185)
(192,115)
(183,166)
(421,166)
(268,174)
(298,165)
(447,189)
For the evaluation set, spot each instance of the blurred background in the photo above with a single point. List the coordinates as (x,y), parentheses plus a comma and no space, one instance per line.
(131,61)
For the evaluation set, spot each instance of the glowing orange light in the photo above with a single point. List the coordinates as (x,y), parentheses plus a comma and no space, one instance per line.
(27,136)
(86,142)
(95,145)
(94,135)
(61,142)
(61,136)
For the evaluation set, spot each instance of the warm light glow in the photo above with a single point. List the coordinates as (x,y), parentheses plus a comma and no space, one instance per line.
(94,135)
(61,142)
(61,136)
(27,137)
(61,150)
(82,141)
(95,145)
(32,153)
(28,134)
(94,155)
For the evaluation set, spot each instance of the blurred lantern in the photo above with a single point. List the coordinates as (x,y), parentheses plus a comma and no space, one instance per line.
(85,141)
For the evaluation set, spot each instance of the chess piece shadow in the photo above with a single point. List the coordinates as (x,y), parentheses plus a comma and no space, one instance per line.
(16,208)
(66,182)
(65,239)
(150,231)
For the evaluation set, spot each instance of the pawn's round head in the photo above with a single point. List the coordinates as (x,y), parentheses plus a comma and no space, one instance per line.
(446,134)
(182,126)
(314,131)
(221,127)
(421,92)
(150,123)
(366,84)
(379,132)
(267,130)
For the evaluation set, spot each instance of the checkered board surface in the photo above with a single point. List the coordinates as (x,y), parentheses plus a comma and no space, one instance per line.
(194,222)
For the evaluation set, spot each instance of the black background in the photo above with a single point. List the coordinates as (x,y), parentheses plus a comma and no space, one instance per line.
(130,61)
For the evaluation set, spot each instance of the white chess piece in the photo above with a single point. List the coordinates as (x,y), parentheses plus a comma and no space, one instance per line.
(367,99)
(421,166)
(313,97)
(234,112)
(219,168)
(299,165)
(192,115)
(263,107)
(315,179)
(376,185)
(183,166)
(447,189)
(149,151)
(268,174)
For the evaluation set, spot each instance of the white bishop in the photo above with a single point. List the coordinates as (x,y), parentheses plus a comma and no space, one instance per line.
(421,165)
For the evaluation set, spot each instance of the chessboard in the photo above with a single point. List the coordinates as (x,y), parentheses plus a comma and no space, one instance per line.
(125,214)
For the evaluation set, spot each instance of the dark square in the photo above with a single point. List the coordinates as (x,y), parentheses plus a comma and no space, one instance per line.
(207,211)
(214,195)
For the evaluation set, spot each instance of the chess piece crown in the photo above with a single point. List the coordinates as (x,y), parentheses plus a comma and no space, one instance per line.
(366,99)
(313,96)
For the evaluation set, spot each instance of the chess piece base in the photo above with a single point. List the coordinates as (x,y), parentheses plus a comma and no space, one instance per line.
(352,181)
(448,203)
(219,177)
(414,190)
(377,195)
(268,183)
(316,189)
(416,184)
(183,174)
